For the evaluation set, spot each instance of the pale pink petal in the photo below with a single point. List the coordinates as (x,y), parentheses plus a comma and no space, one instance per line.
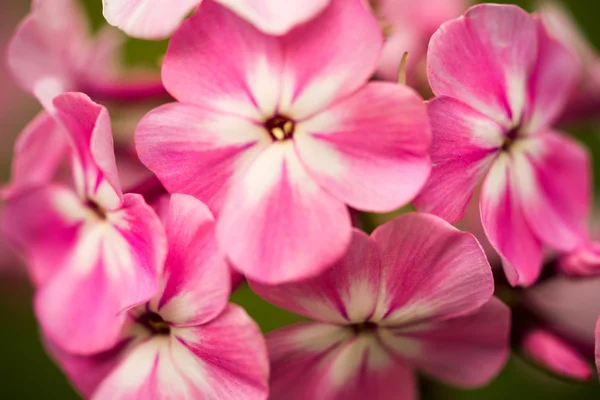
(430,270)
(103,56)
(583,261)
(197,151)
(331,362)
(467,351)
(500,44)
(88,127)
(555,203)
(505,224)
(382,173)
(112,267)
(278,225)
(465,143)
(347,292)
(147,19)
(196,276)
(39,151)
(554,353)
(274,16)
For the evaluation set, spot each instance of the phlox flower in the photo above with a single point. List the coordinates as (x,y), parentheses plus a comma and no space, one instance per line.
(92,251)
(416,295)
(500,83)
(278,134)
(158,19)
(186,342)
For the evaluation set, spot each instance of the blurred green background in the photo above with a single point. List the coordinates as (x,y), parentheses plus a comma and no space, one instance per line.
(27,373)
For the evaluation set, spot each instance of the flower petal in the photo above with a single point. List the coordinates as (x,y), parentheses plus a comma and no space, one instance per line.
(147,19)
(500,44)
(277,225)
(196,276)
(381,173)
(347,292)
(430,270)
(275,17)
(505,224)
(112,267)
(333,364)
(465,142)
(467,351)
(197,151)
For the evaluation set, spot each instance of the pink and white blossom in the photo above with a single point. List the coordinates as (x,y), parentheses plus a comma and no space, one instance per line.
(501,82)
(158,19)
(416,295)
(186,342)
(278,145)
(92,251)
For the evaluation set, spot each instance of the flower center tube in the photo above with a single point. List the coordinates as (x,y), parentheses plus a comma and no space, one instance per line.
(364,327)
(280,127)
(96,209)
(154,323)
(512,135)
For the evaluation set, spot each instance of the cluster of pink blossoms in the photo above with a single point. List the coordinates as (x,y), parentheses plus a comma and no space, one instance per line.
(286,122)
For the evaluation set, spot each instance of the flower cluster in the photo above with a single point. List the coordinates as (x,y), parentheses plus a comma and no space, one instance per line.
(286,128)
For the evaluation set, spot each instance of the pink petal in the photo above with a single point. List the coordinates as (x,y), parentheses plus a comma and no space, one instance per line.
(40,149)
(557,355)
(430,270)
(346,292)
(88,127)
(275,17)
(505,224)
(277,225)
(381,173)
(467,351)
(500,42)
(583,261)
(206,150)
(555,204)
(597,350)
(147,20)
(332,363)
(465,143)
(112,267)
(196,276)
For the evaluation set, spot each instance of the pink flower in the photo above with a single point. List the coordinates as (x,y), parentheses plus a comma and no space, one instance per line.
(186,342)
(278,144)
(158,19)
(92,251)
(554,353)
(500,83)
(408,26)
(417,294)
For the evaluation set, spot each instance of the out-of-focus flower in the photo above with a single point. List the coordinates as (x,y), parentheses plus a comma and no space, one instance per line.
(585,101)
(92,251)
(553,352)
(492,120)
(158,19)
(186,342)
(416,295)
(408,26)
(277,144)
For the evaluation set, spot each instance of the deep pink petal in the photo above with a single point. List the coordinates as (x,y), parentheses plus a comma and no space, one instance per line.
(465,143)
(112,267)
(332,363)
(196,276)
(278,225)
(430,270)
(467,351)
(555,203)
(197,151)
(500,42)
(382,173)
(554,353)
(275,17)
(145,19)
(505,223)
(346,292)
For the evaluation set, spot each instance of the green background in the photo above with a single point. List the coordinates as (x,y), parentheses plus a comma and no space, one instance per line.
(27,373)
